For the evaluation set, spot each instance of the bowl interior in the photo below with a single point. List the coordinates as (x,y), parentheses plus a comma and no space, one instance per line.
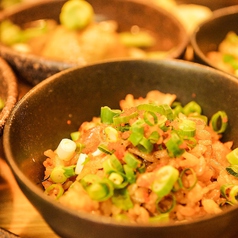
(212,32)
(126,13)
(8,92)
(57,106)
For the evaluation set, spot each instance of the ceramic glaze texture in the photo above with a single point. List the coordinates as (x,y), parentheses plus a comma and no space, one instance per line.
(8,92)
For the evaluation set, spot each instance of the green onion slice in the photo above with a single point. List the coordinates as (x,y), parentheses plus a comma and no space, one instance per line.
(154,137)
(163,109)
(192,107)
(145,145)
(183,176)
(230,192)
(165,180)
(55,187)
(232,157)
(164,217)
(120,119)
(99,189)
(107,114)
(103,148)
(131,160)
(130,174)
(187,128)
(112,164)
(122,200)
(76,15)
(233,170)
(173,145)
(219,121)
(137,133)
(150,118)
(75,135)
(119,180)
(60,174)
(166,204)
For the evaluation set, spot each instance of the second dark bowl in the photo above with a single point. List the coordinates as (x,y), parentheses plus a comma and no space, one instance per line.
(212,32)
(171,35)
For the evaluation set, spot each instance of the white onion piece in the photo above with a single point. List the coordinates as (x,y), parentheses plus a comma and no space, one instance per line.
(79,165)
(66,149)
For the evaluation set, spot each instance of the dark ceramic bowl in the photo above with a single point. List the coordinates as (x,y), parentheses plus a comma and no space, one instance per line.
(212,32)
(39,121)
(8,92)
(171,35)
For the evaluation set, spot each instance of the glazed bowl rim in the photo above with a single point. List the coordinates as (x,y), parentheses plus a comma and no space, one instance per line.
(217,14)
(12,92)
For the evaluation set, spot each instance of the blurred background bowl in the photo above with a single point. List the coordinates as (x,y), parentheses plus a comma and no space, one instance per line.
(169,32)
(208,36)
(40,121)
(8,92)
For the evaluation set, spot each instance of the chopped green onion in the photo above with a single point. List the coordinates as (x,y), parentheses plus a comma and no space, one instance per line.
(130,175)
(60,174)
(233,170)
(154,137)
(163,109)
(173,145)
(75,135)
(76,15)
(137,133)
(122,200)
(145,145)
(164,217)
(119,180)
(140,39)
(119,119)
(131,160)
(112,164)
(219,121)
(55,187)
(111,133)
(107,114)
(233,195)
(177,108)
(166,204)
(103,148)
(150,118)
(116,178)
(99,189)
(232,157)
(187,128)
(230,192)
(191,142)
(182,176)
(192,107)
(165,180)
(66,149)
(142,168)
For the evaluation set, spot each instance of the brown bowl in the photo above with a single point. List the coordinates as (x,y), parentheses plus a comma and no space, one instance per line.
(170,34)
(208,36)
(8,92)
(40,121)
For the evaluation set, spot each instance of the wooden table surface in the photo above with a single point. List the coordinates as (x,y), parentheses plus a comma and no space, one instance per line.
(16,213)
